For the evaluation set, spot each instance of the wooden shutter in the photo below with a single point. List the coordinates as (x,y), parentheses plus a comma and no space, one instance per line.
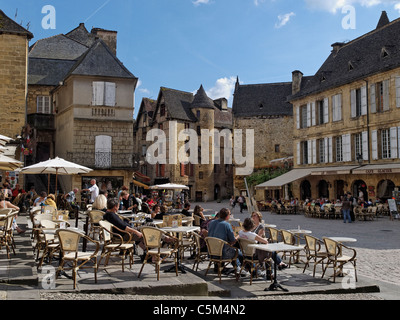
(364,100)
(393,142)
(299,153)
(326,110)
(298,117)
(353,103)
(386,95)
(182,170)
(309,147)
(365,148)
(313,122)
(314,151)
(398,92)
(98,93)
(308,114)
(326,150)
(374,137)
(373,98)
(330,150)
(110,88)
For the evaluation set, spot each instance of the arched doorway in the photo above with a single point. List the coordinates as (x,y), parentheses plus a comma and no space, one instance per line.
(339,187)
(359,189)
(217,192)
(323,189)
(305,190)
(385,189)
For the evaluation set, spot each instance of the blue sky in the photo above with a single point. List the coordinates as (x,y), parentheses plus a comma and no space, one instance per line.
(182,44)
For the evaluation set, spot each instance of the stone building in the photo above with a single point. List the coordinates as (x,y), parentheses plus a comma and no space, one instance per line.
(265,109)
(172,113)
(347,127)
(14,43)
(80,106)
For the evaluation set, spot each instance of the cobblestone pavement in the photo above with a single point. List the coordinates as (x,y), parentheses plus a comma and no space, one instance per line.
(378,253)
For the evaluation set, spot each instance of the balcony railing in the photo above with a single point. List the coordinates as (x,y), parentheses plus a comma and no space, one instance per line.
(41,121)
(102,160)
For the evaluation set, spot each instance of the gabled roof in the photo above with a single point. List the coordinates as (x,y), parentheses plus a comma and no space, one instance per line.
(146,106)
(100,61)
(177,103)
(82,35)
(262,100)
(57,47)
(357,59)
(48,72)
(8,25)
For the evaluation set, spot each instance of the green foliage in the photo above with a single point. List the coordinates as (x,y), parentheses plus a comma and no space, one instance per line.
(264,175)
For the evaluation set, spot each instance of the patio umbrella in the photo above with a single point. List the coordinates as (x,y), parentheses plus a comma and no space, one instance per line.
(9,164)
(4,140)
(169,186)
(56,166)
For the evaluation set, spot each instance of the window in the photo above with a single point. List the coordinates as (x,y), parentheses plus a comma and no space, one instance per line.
(43,104)
(144,150)
(358,142)
(198,114)
(386,150)
(103,147)
(339,149)
(162,110)
(303,116)
(320,111)
(321,147)
(305,152)
(380,96)
(277,148)
(201,175)
(104,94)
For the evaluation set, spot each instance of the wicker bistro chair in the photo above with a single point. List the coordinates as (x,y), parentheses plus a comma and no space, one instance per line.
(153,239)
(250,258)
(273,235)
(199,256)
(291,239)
(336,258)
(95,216)
(50,245)
(69,249)
(314,251)
(6,235)
(114,242)
(215,248)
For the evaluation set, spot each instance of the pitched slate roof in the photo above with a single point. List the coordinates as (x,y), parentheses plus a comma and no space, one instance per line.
(7,25)
(262,100)
(82,35)
(357,59)
(178,104)
(147,105)
(48,72)
(100,61)
(201,100)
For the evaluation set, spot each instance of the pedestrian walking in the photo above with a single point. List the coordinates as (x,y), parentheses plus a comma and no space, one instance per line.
(346,208)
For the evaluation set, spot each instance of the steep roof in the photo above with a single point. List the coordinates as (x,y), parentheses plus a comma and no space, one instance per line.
(8,25)
(48,72)
(82,35)
(374,52)
(100,61)
(178,104)
(201,100)
(262,100)
(146,106)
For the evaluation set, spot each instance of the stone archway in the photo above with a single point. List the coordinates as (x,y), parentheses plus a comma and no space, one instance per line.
(385,189)
(305,190)
(323,189)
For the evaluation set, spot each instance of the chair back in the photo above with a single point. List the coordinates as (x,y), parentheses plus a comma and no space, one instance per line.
(274,234)
(5,212)
(288,237)
(245,247)
(9,221)
(69,240)
(215,246)
(49,209)
(152,237)
(47,224)
(196,220)
(168,221)
(61,215)
(311,243)
(95,216)
(332,246)
(44,216)
(106,229)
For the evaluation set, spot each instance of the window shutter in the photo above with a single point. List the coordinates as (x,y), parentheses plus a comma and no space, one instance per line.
(298,152)
(326,155)
(393,142)
(313,122)
(364,100)
(308,114)
(98,93)
(346,147)
(326,110)
(398,92)
(314,151)
(110,94)
(365,143)
(330,150)
(162,169)
(374,145)
(309,143)
(353,99)
(339,107)
(385,95)
(373,98)
(298,117)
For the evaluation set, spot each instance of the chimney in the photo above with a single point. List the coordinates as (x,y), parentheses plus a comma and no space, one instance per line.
(297,76)
(109,37)
(222,104)
(336,47)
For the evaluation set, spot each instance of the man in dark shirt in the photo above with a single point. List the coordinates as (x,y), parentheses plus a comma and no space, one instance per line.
(186,209)
(112,217)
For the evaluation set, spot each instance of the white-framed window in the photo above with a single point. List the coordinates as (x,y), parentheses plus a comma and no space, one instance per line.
(44,104)
(103,151)
(321,147)
(386,150)
(104,93)
(322,109)
(339,148)
(358,102)
(380,96)
(358,144)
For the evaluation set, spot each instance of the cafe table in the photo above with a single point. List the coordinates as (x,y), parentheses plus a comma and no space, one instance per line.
(274,248)
(178,229)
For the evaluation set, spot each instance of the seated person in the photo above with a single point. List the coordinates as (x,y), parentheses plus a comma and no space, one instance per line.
(51,201)
(198,211)
(186,209)
(159,212)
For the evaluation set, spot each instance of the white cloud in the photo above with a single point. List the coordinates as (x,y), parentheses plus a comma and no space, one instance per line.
(223,88)
(199,2)
(257,2)
(142,90)
(334,5)
(284,19)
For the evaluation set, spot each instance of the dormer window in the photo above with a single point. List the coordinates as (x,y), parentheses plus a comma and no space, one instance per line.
(384,53)
(323,78)
(261,106)
(350,66)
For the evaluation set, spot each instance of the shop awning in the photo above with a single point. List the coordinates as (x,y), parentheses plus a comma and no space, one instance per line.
(325,171)
(284,179)
(378,169)
(139,184)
